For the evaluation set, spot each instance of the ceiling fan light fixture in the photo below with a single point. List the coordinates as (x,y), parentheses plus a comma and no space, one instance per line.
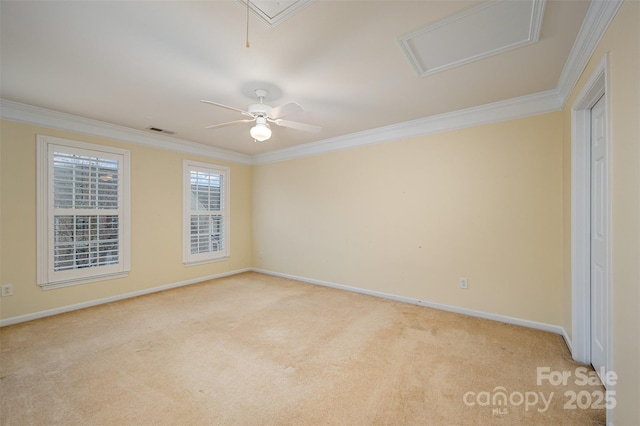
(261,131)
(262,115)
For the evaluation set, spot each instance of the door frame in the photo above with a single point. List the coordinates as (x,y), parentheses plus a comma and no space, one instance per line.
(596,87)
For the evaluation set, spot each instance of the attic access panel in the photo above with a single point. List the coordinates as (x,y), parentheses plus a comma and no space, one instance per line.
(485,30)
(274,12)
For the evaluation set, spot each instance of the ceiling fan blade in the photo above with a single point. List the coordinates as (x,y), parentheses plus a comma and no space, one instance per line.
(285,109)
(230,123)
(228,107)
(297,126)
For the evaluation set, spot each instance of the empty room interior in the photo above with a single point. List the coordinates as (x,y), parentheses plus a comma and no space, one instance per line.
(320,212)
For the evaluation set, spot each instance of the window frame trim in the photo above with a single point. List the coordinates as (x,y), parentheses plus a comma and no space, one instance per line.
(44,208)
(189,259)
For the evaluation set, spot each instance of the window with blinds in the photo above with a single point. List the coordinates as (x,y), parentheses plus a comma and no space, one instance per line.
(84,223)
(85,197)
(205,212)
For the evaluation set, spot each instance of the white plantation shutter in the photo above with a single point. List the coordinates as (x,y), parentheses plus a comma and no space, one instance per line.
(84,224)
(86,206)
(205,212)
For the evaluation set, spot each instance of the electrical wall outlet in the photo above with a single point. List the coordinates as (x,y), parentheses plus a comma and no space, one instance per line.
(464,283)
(7,290)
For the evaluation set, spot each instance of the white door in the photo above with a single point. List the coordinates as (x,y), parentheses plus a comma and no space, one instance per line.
(599,237)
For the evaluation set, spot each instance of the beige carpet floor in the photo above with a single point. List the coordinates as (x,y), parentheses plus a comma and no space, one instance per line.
(253,349)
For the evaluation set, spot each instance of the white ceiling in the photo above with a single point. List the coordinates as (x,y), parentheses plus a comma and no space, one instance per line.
(149,63)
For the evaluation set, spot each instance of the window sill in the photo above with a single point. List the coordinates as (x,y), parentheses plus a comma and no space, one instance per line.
(202,262)
(80,281)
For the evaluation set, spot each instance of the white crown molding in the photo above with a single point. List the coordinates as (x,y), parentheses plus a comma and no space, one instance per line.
(524,106)
(595,23)
(15,111)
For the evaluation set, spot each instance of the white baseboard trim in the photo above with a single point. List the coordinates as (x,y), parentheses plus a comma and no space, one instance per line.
(90,303)
(449,308)
(567,340)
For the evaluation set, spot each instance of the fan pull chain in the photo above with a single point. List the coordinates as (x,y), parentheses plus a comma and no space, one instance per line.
(247,45)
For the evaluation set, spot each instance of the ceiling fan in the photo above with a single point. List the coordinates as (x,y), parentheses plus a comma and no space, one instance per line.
(263,114)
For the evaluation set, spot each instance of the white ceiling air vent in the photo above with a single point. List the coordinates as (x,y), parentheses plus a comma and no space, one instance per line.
(485,30)
(158,130)
(275,12)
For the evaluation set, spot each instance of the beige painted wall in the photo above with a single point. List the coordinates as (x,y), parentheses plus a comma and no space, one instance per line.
(156,229)
(622,42)
(410,217)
